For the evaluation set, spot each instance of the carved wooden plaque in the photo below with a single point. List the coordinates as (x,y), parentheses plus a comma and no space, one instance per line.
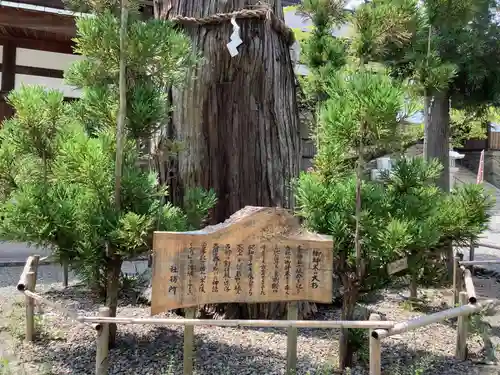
(259,254)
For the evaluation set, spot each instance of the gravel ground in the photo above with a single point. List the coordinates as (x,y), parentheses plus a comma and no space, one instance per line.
(149,350)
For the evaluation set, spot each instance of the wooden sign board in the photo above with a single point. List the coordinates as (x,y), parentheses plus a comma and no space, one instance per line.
(397,266)
(259,254)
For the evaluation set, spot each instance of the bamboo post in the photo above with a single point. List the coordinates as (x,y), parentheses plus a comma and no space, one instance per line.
(291,347)
(189,343)
(488,245)
(469,286)
(325,324)
(34,268)
(30,307)
(461,342)
(425,320)
(457,279)
(101,355)
(375,350)
(28,267)
(479,262)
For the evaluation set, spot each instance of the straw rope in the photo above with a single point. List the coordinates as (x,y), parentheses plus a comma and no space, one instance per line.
(259,11)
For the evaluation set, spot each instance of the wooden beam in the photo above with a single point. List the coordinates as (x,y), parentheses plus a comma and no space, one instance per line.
(8,67)
(39,44)
(37,21)
(35,71)
(40,72)
(59,4)
(56,4)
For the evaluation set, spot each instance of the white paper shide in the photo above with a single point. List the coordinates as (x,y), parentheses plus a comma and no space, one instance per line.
(232,46)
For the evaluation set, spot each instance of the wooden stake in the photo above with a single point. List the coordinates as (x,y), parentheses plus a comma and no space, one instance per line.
(472,249)
(101,355)
(189,342)
(457,280)
(413,287)
(461,343)
(375,350)
(65,273)
(30,307)
(291,348)
(469,286)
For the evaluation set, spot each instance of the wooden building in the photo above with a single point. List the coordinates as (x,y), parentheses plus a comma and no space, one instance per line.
(491,142)
(35,47)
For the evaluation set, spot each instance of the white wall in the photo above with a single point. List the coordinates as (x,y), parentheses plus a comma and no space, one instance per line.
(49,83)
(47,60)
(44,59)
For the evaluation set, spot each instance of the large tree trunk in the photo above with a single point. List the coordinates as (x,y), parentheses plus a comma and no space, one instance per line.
(237,117)
(437,146)
(437,133)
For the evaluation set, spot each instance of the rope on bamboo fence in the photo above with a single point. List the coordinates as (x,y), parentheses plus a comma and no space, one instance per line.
(70,314)
(259,11)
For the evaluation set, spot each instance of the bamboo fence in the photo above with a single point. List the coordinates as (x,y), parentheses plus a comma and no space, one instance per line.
(378,328)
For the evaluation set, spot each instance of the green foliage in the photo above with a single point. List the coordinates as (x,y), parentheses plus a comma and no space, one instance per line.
(323,53)
(151,66)
(381,26)
(58,165)
(471,124)
(453,46)
(404,214)
(465,213)
(361,112)
(361,106)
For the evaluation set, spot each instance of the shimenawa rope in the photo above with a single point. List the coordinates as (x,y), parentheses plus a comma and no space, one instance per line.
(259,11)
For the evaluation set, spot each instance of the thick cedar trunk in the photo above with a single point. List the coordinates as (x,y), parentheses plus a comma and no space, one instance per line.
(437,133)
(237,117)
(437,146)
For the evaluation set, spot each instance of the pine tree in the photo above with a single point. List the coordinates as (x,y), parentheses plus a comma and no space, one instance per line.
(452,58)
(76,183)
(362,110)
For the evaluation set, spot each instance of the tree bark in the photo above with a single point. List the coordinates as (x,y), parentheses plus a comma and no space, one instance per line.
(437,133)
(113,288)
(346,350)
(237,117)
(437,146)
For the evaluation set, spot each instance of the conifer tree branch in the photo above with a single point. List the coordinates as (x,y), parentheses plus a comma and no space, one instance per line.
(122,112)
